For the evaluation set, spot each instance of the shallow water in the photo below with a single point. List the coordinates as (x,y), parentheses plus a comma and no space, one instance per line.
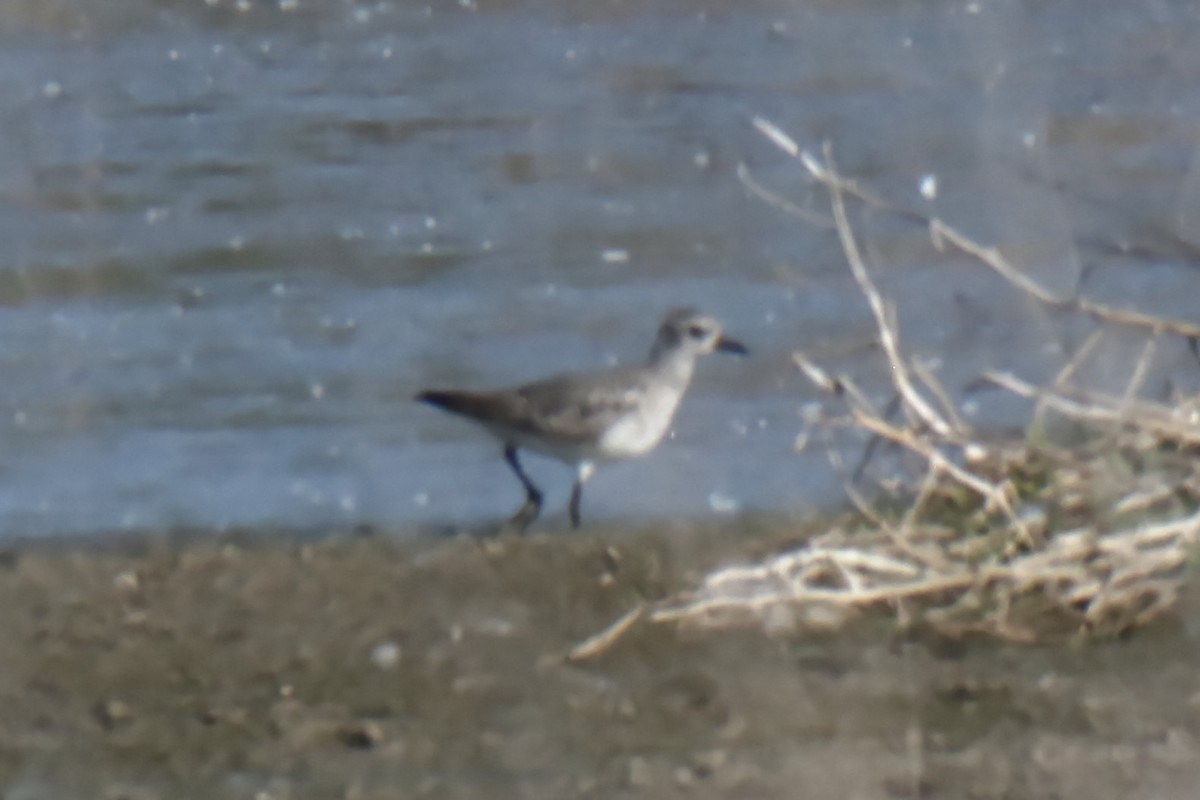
(239,236)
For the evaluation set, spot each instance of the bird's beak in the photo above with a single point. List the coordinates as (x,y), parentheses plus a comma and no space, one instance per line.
(727,345)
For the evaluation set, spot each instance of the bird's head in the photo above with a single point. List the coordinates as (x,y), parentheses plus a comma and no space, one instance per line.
(689,330)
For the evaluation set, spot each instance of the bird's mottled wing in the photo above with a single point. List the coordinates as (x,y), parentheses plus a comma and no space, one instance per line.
(580,407)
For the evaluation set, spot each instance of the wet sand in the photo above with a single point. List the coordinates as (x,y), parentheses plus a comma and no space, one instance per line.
(380,667)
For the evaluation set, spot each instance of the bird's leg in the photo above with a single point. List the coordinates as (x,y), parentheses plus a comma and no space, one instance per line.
(576,496)
(585,470)
(528,512)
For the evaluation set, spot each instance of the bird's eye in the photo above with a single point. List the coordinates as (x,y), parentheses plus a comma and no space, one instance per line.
(697,332)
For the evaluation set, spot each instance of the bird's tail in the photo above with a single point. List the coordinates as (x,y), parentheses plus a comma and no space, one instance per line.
(468,404)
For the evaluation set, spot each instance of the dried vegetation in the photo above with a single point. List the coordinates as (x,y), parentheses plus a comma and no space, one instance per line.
(1020,540)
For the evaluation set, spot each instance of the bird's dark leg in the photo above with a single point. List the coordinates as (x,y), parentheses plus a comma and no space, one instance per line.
(583,472)
(576,496)
(528,512)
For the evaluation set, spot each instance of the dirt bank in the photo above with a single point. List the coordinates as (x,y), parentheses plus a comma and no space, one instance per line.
(376,667)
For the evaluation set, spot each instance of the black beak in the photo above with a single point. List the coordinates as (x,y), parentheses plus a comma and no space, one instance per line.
(727,345)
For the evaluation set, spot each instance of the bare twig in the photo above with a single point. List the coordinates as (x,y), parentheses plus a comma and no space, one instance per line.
(941,233)
(601,642)
(884,322)
(782,203)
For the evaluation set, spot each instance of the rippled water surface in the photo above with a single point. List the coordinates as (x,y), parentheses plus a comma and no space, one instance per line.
(239,236)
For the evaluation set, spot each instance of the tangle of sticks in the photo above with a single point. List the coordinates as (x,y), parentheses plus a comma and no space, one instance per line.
(1009,540)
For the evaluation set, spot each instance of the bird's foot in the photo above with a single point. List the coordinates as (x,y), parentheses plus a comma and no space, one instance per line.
(519,522)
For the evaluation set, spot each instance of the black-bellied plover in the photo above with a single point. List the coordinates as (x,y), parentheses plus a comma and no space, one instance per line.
(583,418)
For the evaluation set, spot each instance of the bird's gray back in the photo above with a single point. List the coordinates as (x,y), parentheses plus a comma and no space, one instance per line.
(582,406)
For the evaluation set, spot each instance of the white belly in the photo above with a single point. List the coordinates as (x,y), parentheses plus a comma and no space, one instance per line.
(640,432)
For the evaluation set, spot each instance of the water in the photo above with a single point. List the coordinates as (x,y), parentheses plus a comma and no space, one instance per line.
(238,238)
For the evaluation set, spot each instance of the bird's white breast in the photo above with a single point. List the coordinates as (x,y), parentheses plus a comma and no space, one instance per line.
(643,427)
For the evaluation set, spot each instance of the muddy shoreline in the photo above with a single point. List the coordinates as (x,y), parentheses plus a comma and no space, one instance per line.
(379,666)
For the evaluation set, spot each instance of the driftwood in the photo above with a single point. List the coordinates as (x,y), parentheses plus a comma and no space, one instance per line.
(974,552)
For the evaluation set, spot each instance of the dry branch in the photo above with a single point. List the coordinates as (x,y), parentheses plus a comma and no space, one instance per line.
(975,553)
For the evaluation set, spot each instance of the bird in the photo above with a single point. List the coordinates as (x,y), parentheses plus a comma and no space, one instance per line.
(585,418)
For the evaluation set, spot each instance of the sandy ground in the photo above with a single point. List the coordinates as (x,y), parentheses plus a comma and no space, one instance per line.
(379,667)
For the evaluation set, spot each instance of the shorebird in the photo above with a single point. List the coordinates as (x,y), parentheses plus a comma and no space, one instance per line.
(583,418)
